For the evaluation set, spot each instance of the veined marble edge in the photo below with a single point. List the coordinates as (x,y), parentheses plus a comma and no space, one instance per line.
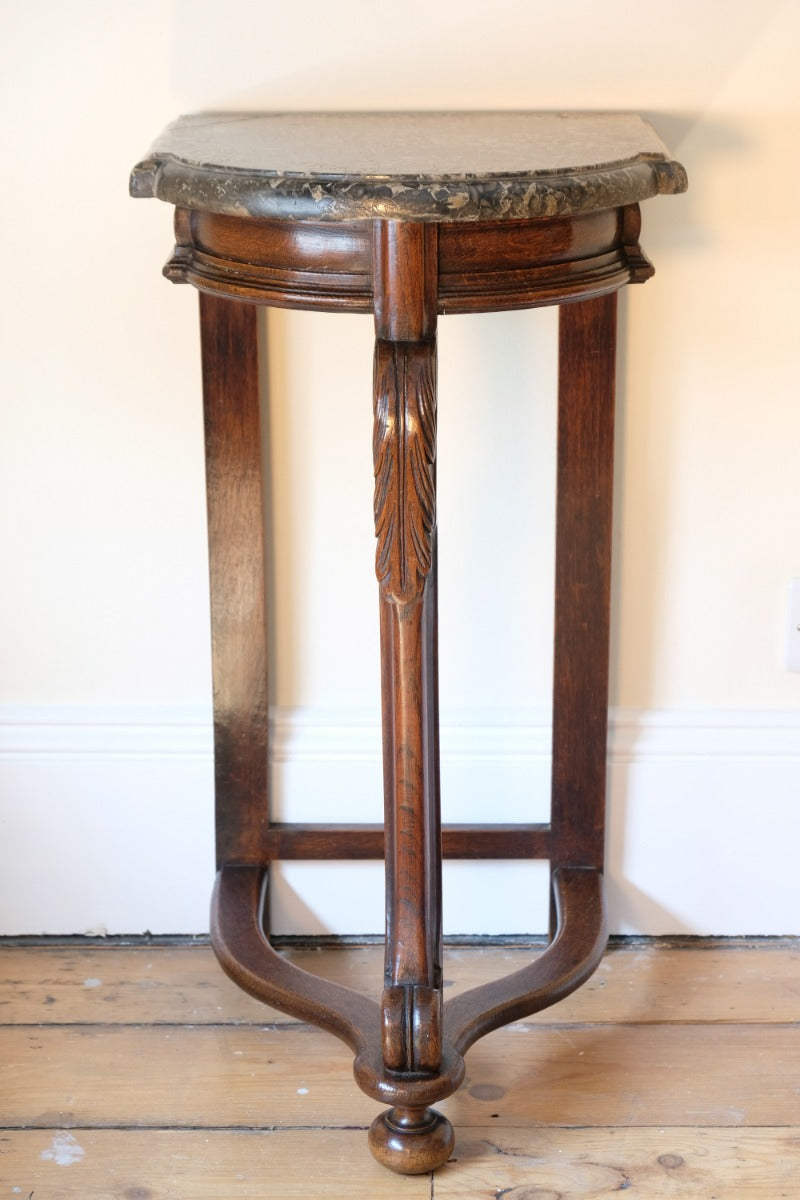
(241,192)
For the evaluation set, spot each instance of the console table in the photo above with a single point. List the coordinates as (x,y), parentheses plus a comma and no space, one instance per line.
(408,215)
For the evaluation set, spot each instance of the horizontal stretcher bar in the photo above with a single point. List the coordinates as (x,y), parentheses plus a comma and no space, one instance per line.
(300,841)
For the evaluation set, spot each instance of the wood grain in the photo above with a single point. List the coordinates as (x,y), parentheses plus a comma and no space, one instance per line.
(231,404)
(405,281)
(586,376)
(659,1164)
(698,1164)
(725,1075)
(168,984)
(353,842)
(484,266)
(200,1165)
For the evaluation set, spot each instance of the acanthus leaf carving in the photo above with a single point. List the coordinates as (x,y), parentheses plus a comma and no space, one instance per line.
(404,453)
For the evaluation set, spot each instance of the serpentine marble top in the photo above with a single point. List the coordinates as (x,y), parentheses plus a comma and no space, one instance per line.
(407,166)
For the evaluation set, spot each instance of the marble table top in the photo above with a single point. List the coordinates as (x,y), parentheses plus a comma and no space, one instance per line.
(414,166)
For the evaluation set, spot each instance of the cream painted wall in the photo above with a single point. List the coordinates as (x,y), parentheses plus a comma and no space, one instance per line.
(104,681)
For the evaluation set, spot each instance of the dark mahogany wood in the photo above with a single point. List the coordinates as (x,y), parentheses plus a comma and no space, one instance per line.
(587,345)
(408,243)
(484,266)
(236,564)
(354,842)
(405,275)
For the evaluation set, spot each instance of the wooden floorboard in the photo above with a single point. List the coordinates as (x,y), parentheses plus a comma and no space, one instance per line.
(140,1073)
(197,1165)
(656,1164)
(552,1164)
(165,984)
(242,1077)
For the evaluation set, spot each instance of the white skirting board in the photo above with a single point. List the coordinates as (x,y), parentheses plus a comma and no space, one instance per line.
(106,820)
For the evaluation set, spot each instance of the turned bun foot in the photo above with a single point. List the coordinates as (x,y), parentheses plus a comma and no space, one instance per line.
(411,1141)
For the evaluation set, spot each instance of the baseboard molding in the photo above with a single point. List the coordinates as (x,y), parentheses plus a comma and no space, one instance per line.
(312,735)
(92,732)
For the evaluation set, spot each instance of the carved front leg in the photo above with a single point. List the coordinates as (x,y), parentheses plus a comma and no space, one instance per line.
(405,282)
(405,525)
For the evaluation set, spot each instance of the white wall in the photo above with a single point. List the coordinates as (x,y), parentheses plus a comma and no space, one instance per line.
(105,767)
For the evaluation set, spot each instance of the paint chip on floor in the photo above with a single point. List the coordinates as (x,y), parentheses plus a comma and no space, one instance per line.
(63,1151)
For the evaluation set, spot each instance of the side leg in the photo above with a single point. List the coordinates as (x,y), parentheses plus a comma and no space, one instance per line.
(236,565)
(587,345)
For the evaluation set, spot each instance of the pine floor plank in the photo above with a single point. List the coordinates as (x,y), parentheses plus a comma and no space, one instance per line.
(235,1076)
(165,984)
(552,1164)
(724,1075)
(593,1164)
(152,984)
(238,1076)
(191,1165)
(650,983)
